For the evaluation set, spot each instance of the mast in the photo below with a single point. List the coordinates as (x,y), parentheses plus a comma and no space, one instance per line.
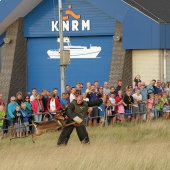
(62,66)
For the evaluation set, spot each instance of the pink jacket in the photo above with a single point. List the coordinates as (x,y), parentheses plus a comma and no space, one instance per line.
(150,103)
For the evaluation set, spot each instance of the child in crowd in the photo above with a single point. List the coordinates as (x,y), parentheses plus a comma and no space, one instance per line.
(102,113)
(112,100)
(150,104)
(64,101)
(18,121)
(164,105)
(121,110)
(110,112)
(156,107)
(26,115)
(2,116)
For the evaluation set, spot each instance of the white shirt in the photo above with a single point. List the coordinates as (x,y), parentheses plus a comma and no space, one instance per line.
(72,97)
(113,102)
(106,91)
(32,98)
(137,98)
(86,99)
(52,106)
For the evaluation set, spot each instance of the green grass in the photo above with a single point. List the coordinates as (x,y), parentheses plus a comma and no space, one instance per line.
(125,146)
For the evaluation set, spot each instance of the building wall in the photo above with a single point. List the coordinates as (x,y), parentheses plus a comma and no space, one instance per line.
(121,65)
(148,64)
(168,65)
(13,71)
(38,23)
(41,38)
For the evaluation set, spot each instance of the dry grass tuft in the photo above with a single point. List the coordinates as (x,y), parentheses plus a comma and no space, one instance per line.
(121,147)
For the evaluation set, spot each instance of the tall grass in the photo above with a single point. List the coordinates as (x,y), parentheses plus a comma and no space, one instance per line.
(121,147)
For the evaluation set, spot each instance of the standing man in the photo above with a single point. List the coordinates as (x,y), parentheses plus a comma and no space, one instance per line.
(119,87)
(92,95)
(106,89)
(68,89)
(76,112)
(159,88)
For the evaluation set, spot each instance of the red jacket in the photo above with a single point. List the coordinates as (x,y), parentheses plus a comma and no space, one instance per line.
(35,106)
(57,104)
(117,101)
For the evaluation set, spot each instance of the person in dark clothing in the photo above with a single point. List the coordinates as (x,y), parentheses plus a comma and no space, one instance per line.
(119,87)
(92,95)
(45,98)
(18,120)
(128,100)
(137,80)
(19,99)
(75,113)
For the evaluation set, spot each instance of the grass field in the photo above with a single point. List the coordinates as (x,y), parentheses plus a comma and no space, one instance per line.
(143,146)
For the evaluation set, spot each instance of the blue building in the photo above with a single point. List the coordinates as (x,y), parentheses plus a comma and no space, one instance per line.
(109,40)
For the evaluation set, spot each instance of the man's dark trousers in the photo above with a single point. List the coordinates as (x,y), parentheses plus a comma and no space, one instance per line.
(66,132)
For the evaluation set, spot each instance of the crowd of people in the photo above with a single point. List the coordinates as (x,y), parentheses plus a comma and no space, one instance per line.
(136,103)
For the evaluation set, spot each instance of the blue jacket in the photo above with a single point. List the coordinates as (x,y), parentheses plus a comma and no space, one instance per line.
(92,96)
(102,110)
(144,93)
(10,110)
(25,115)
(63,102)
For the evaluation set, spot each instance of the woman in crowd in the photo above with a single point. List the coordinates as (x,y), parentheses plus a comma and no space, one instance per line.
(38,108)
(128,100)
(53,106)
(19,99)
(28,104)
